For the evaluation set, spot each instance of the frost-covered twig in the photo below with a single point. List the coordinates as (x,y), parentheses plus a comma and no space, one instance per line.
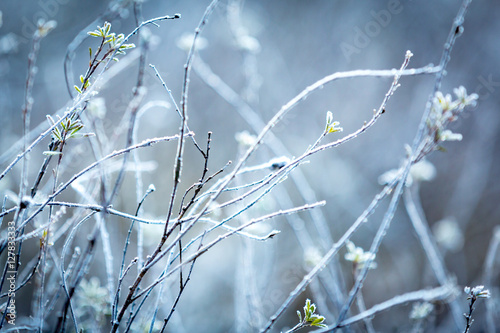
(431,295)
(423,231)
(492,315)
(226,235)
(382,231)
(333,250)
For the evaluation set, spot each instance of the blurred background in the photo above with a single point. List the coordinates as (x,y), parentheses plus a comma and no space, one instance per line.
(265,53)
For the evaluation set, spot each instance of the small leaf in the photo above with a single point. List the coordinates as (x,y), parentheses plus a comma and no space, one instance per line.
(78,89)
(306,308)
(329,118)
(107,25)
(52,153)
(333,127)
(73,132)
(127,46)
(51,120)
(300,315)
(65,124)
(313,318)
(57,134)
(94,34)
(318,320)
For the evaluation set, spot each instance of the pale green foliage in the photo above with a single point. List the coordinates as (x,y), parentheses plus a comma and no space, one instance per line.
(332,126)
(69,128)
(114,40)
(310,318)
(115,45)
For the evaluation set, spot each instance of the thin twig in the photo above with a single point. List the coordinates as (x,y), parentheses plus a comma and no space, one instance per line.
(177,172)
(306,280)
(489,264)
(432,295)
(145,143)
(226,235)
(424,233)
(416,153)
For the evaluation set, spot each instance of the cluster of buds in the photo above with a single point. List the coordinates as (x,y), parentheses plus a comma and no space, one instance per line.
(446,110)
(477,292)
(359,257)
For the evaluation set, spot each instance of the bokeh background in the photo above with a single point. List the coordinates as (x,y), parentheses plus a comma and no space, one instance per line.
(267,52)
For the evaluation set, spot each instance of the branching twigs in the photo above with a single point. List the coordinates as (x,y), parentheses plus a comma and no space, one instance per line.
(42,30)
(95,208)
(363,218)
(416,154)
(175,104)
(127,241)
(181,290)
(293,102)
(279,116)
(183,209)
(80,271)
(246,207)
(224,236)
(184,213)
(112,12)
(199,185)
(84,96)
(327,257)
(177,172)
(145,143)
(184,100)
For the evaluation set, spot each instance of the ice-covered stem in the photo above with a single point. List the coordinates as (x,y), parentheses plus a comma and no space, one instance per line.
(334,249)
(207,247)
(145,143)
(472,295)
(177,171)
(429,295)
(386,222)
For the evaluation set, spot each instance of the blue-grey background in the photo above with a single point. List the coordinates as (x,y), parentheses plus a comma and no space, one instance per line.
(299,42)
